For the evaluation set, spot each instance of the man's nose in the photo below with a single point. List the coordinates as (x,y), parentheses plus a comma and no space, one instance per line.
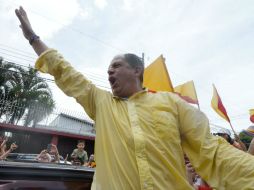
(110,71)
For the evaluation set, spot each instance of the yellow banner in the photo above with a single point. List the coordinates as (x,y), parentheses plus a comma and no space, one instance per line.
(187,91)
(156,76)
(217,105)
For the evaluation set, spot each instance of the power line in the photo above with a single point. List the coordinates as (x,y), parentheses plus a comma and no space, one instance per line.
(17,52)
(25,52)
(21,61)
(97,77)
(53,81)
(32,61)
(46,79)
(14,56)
(89,75)
(80,32)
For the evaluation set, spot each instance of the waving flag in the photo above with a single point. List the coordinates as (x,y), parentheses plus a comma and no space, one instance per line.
(252,115)
(187,92)
(218,106)
(220,109)
(156,76)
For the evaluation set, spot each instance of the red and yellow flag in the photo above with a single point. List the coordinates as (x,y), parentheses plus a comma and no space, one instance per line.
(187,92)
(252,115)
(156,76)
(217,105)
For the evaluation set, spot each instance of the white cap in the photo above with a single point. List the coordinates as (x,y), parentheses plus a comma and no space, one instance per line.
(224,131)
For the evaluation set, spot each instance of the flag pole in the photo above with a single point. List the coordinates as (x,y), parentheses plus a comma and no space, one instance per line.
(198,106)
(143,58)
(196,95)
(233,129)
(238,138)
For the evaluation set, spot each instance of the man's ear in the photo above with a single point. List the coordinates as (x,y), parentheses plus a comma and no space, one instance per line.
(138,71)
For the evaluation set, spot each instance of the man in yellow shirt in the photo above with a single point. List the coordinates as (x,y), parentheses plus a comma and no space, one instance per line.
(141,136)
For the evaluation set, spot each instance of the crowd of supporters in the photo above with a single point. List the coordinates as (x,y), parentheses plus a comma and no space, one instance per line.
(51,154)
(244,142)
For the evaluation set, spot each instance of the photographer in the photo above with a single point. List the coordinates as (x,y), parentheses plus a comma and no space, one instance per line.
(225,133)
(49,155)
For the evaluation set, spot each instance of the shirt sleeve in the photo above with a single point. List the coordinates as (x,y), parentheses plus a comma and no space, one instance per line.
(74,153)
(70,81)
(215,160)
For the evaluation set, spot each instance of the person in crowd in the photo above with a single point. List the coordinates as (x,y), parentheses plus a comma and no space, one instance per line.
(225,133)
(251,147)
(141,136)
(44,157)
(49,155)
(3,152)
(193,178)
(91,162)
(247,137)
(79,155)
(54,154)
(3,141)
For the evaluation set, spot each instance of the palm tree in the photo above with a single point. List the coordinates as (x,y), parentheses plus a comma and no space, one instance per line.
(29,95)
(7,80)
(33,96)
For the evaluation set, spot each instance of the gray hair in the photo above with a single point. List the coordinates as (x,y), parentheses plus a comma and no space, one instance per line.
(135,61)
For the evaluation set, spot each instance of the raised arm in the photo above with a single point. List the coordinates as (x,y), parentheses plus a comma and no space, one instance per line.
(35,41)
(4,142)
(12,147)
(70,81)
(54,150)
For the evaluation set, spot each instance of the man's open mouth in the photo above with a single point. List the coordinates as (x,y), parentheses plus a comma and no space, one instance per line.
(112,81)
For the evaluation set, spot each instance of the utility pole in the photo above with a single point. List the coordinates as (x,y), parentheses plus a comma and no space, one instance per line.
(143,57)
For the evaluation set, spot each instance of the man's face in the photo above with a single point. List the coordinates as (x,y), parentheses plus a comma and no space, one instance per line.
(122,77)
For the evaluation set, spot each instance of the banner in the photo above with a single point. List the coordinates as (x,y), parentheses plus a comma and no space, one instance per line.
(187,92)
(156,76)
(217,105)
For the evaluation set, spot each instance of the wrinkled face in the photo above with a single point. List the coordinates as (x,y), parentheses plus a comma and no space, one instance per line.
(122,77)
(81,146)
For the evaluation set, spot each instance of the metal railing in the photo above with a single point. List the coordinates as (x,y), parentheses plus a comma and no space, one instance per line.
(38,116)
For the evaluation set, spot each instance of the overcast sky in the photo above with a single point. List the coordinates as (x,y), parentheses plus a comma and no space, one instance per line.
(208,41)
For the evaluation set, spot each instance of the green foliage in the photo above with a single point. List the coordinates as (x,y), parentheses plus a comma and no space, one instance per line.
(246,139)
(23,95)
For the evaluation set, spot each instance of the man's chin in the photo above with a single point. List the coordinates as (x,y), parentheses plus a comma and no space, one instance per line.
(117,93)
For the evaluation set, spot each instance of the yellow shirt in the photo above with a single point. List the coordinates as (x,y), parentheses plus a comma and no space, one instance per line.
(140,140)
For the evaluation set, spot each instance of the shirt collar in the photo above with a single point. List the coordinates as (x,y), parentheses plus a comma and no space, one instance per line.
(139,93)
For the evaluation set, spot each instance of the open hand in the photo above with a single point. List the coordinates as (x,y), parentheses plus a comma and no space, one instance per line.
(25,24)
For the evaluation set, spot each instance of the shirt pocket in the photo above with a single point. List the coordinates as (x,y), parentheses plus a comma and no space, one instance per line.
(166,126)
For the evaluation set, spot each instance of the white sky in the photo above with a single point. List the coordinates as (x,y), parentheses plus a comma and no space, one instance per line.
(205,41)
